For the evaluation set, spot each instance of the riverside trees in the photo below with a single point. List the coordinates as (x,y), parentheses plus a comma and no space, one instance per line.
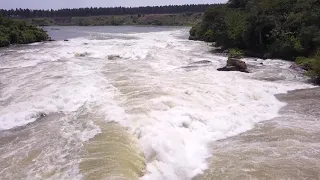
(284,29)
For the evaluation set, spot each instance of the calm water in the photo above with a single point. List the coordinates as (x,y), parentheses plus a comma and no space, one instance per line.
(127,103)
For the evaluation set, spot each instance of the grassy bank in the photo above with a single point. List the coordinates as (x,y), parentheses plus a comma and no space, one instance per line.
(182,19)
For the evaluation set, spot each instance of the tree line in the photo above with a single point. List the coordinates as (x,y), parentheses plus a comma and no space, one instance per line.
(95,11)
(285,29)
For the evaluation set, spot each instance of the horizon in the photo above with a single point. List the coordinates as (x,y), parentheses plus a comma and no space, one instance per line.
(60,4)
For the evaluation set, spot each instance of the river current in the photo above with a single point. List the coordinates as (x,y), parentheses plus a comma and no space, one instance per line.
(132,103)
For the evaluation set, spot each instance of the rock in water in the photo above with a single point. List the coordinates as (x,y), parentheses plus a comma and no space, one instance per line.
(202,62)
(113,57)
(234,64)
(198,64)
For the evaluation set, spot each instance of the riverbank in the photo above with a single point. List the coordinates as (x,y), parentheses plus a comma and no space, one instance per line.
(19,32)
(180,19)
(286,147)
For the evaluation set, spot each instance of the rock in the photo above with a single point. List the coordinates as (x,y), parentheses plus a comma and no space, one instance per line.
(192,38)
(82,54)
(113,57)
(50,39)
(304,67)
(66,40)
(197,64)
(234,64)
(202,62)
(225,51)
(232,68)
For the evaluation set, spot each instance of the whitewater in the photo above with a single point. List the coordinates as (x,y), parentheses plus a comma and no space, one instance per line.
(127,103)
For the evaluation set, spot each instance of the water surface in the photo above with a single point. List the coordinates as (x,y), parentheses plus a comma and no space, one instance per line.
(129,103)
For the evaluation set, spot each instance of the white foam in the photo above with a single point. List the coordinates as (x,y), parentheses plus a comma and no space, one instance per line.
(175,113)
(175,130)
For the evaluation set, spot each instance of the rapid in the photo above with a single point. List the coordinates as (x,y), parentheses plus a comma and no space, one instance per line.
(128,103)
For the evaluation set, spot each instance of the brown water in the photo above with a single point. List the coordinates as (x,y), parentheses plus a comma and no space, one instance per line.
(146,103)
(287,147)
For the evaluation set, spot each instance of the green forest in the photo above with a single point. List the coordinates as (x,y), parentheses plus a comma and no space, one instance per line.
(105,11)
(19,32)
(286,29)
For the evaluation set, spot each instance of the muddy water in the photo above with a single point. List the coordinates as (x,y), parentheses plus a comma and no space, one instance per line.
(287,147)
(147,103)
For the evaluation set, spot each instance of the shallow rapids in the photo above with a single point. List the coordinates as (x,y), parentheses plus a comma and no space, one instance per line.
(126,103)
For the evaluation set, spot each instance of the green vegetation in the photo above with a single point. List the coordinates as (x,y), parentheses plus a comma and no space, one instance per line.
(284,29)
(182,19)
(19,32)
(106,11)
(236,53)
(312,65)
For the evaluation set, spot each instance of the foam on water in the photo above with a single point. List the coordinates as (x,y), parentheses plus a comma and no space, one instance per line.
(174,112)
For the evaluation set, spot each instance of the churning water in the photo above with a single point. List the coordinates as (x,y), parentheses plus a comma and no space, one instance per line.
(128,103)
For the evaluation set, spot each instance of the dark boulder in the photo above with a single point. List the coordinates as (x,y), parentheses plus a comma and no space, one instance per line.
(301,67)
(234,64)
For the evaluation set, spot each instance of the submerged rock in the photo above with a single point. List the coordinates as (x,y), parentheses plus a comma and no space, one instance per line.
(202,62)
(234,64)
(113,57)
(198,64)
(82,54)
(305,67)
(50,39)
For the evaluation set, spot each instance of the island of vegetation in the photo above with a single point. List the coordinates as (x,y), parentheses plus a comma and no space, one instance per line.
(286,29)
(19,32)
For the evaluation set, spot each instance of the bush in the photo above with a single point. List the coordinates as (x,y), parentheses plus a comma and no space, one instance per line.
(236,53)
(266,28)
(312,65)
(19,32)
(4,41)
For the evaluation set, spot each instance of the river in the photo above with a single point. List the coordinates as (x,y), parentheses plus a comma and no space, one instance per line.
(131,103)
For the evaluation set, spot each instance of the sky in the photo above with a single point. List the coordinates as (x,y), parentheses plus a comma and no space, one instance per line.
(58,4)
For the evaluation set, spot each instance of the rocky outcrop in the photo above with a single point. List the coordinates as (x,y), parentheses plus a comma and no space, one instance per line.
(234,64)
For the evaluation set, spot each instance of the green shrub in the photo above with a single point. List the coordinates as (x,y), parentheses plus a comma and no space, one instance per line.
(209,35)
(4,41)
(19,32)
(236,53)
(312,65)
(264,28)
